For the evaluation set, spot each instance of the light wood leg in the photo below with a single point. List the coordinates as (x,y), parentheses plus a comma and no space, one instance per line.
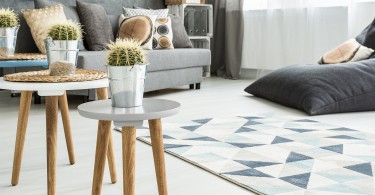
(100,155)
(111,158)
(128,159)
(51,124)
(63,100)
(103,95)
(23,117)
(158,153)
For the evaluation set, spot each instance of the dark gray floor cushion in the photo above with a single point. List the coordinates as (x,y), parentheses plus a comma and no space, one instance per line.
(321,89)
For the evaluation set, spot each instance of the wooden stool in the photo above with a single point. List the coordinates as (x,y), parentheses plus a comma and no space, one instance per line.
(128,118)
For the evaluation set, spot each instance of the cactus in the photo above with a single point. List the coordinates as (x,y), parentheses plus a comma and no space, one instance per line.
(126,52)
(67,30)
(8,18)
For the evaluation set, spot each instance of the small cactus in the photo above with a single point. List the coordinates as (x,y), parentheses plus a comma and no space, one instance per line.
(126,52)
(8,18)
(67,30)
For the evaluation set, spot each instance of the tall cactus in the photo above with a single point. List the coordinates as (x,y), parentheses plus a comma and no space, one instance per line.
(67,30)
(126,52)
(8,18)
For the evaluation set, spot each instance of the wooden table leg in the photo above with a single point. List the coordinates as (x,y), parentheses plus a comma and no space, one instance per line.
(51,124)
(100,155)
(23,117)
(128,159)
(103,95)
(63,102)
(158,153)
(111,158)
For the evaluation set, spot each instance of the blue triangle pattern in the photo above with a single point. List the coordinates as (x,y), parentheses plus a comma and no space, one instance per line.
(170,146)
(256,164)
(244,130)
(342,129)
(343,137)
(245,145)
(279,140)
(305,120)
(251,122)
(248,173)
(336,148)
(364,168)
(294,156)
(203,138)
(298,180)
(191,128)
(203,121)
(167,137)
(251,117)
(300,130)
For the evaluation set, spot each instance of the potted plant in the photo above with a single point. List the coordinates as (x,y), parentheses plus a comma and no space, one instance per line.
(126,63)
(8,31)
(62,47)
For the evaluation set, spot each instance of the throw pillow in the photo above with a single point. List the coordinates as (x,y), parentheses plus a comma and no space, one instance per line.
(160,13)
(349,51)
(40,19)
(318,89)
(180,36)
(96,25)
(163,34)
(70,13)
(139,28)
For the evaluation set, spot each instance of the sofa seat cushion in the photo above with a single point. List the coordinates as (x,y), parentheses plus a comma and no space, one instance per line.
(321,89)
(159,59)
(177,58)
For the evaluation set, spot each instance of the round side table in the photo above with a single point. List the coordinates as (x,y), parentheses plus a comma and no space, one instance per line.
(128,118)
(55,93)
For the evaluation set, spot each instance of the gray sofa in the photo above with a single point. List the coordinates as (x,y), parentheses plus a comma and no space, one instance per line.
(168,68)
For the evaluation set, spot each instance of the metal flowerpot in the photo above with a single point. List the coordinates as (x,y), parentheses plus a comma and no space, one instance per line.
(62,56)
(127,85)
(8,39)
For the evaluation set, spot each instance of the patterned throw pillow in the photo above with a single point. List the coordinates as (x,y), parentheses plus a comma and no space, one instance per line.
(138,27)
(40,19)
(163,34)
(160,13)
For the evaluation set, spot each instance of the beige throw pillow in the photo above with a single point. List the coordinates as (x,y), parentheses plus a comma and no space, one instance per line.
(349,51)
(40,19)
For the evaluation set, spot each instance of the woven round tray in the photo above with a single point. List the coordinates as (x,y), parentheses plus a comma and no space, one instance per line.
(43,76)
(24,56)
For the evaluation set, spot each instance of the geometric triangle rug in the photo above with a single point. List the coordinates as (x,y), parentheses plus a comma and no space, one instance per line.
(276,155)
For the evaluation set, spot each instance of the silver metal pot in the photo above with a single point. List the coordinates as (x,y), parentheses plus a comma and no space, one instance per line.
(62,52)
(127,85)
(8,39)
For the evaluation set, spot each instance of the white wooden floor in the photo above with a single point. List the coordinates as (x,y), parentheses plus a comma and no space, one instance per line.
(217,98)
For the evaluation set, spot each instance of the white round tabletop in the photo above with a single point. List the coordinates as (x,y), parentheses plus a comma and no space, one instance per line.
(151,109)
(52,89)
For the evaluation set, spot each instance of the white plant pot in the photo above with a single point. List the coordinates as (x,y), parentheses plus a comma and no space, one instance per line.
(8,40)
(127,85)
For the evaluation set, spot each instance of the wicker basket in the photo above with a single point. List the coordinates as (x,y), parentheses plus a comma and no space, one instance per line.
(174,2)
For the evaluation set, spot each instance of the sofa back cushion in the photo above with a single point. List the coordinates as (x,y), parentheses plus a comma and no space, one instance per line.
(96,25)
